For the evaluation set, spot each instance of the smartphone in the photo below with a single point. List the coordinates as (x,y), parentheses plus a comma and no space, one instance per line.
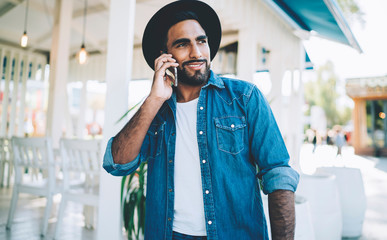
(172,73)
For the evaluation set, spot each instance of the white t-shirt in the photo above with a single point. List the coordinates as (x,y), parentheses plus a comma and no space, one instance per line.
(189,209)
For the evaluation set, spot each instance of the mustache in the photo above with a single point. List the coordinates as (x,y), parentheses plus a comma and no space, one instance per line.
(193,61)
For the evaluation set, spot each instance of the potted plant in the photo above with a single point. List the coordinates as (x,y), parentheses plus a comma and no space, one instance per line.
(133,192)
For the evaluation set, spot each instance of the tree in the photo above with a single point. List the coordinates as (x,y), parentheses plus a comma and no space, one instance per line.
(322,93)
(351,11)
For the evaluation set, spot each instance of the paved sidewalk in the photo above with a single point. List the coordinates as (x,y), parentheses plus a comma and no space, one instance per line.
(374,171)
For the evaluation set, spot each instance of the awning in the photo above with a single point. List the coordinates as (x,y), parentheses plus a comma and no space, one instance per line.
(321,16)
(308,64)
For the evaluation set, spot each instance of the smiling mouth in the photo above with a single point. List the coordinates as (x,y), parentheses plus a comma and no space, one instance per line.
(195,65)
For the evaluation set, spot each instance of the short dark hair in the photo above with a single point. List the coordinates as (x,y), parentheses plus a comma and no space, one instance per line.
(178,17)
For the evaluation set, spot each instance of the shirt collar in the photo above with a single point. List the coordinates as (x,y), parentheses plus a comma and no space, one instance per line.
(214,80)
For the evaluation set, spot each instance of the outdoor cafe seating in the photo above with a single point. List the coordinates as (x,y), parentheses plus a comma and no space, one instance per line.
(80,159)
(34,174)
(71,171)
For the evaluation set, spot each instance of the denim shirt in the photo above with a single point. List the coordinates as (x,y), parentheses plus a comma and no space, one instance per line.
(239,143)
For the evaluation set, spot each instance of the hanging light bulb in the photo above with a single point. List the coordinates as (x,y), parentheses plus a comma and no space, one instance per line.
(24,38)
(82,54)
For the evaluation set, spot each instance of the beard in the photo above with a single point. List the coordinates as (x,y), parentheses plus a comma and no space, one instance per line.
(198,78)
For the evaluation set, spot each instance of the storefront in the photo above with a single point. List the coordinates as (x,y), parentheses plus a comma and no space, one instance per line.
(369,115)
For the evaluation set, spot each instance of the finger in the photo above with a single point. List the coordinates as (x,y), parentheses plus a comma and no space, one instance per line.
(164,55)
(164,67)
(161,61)
(160,75)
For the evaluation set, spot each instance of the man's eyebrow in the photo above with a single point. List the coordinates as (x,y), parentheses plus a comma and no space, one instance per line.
(180,40)
(201,37)
(186,40)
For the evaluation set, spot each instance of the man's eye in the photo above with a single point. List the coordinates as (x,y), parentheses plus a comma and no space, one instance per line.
(203,41)
(181,45)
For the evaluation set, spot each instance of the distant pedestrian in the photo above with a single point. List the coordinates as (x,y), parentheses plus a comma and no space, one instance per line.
(340,142)
(314,141)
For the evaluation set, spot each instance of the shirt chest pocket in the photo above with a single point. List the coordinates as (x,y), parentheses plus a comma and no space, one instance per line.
(230,134)
(156,134)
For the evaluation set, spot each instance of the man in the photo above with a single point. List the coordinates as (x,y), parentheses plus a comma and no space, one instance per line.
(207,141)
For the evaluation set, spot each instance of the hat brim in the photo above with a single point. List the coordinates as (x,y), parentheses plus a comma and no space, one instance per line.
(152,41)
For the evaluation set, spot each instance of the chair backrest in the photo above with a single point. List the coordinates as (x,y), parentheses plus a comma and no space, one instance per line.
(33,156)
(5,149)
(81,157)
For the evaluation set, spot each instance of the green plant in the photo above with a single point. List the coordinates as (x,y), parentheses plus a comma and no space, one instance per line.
(133,192)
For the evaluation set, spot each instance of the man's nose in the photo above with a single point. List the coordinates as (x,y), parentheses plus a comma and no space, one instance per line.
(195,52)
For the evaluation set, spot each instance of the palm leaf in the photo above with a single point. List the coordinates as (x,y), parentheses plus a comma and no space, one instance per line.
(133,202)
(130,109)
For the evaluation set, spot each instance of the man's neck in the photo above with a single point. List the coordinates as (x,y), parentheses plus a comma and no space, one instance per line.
(186,93)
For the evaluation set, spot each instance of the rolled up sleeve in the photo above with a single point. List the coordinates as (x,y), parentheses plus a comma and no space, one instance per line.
(280,178)
(268,148)
(118,169)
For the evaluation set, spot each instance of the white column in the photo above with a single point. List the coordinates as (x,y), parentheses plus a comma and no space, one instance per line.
(22,95)
(82,113)
(2,54)
(4,114)
(297,118)
(118,74)
(59,61)
(277,71)
(247,46)
(15,90)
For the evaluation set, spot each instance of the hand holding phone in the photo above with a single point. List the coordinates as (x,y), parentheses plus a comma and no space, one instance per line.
(172,73)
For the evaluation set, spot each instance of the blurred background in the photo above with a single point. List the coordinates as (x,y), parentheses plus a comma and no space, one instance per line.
(72,69)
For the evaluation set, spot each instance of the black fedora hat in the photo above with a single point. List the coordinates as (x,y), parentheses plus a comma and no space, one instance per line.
(162,20)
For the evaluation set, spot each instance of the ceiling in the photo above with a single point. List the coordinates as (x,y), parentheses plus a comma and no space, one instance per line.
(41,15)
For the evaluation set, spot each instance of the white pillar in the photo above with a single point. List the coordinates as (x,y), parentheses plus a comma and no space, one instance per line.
(247,46)
(118,74)
(20,130)
(82,113)
(297,118)
(15,90)
(4,114)
(59,61)
(277,71)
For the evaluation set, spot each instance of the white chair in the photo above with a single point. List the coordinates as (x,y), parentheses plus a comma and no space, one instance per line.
(80,159)
(6,157)
(34,174)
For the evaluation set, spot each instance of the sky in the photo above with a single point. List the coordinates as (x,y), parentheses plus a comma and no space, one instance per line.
(372,37)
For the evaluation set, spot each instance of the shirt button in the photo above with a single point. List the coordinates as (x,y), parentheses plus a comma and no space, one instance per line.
(169,219)
(207,192)
(232,125)
(201,108)
(173,134)
(204,161)
(155,133)
(209,222)
(201,132)
(170,190)
(170,161)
